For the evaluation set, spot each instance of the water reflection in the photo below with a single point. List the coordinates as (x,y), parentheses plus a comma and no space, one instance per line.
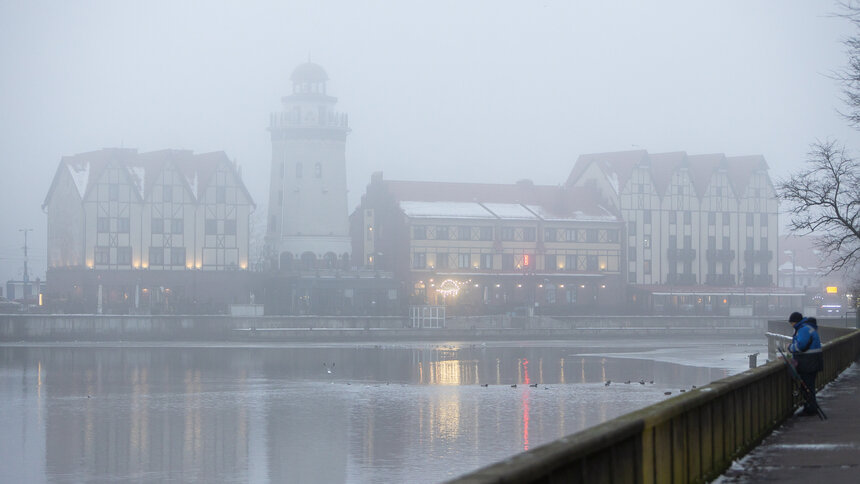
(395,413)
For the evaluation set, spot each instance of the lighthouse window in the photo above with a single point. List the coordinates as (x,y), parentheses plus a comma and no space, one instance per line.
(298,170)
(318,170)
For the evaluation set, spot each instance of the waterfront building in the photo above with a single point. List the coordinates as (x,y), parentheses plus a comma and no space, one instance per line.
(701,230)
(480,248)
(307,222)
(128,229)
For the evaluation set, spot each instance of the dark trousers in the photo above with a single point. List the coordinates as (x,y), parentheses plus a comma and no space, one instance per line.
(810,403)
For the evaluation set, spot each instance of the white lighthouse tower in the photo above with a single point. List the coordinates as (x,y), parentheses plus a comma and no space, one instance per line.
(308,220)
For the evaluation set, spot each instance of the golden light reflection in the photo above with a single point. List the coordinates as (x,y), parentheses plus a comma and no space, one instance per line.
(89,421)
(193,442)
(448,372)
(445,417)
(561,371)
(582,364)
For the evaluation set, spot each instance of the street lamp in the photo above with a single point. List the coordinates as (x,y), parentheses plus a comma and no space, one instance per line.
(791,253)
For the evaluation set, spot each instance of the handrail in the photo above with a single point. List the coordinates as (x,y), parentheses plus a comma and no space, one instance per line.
(692,437)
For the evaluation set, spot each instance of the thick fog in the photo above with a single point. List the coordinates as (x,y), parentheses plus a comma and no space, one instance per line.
(478,91)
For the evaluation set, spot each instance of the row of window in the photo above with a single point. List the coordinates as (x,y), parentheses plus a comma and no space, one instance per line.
(461,232)
(220,227)
(464,261)
(510,262)
(683,190)
(518,234)
(166,226)
(123,255)
(712,219)
(167,192)
(687,268)
(156,256)
(121,225)
(300,170)
(712,244)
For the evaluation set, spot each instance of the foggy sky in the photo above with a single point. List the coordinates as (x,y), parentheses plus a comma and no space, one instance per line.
(435,90)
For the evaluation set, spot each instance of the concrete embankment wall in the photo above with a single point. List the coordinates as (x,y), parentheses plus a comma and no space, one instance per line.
(38,327)
(83,327)
(689,438)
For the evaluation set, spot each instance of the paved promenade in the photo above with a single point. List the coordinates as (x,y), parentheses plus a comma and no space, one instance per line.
(807,449)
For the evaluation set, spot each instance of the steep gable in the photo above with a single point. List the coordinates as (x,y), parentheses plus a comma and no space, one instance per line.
(702,169)
(617,166)
(663,167)
(740,170)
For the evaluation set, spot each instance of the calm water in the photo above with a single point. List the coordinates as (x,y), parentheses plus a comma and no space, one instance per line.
(385,413)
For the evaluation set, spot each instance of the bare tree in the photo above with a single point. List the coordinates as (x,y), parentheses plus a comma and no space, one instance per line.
(849,76)
(824,200)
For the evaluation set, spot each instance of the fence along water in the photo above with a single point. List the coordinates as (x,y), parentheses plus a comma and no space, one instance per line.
(689,438)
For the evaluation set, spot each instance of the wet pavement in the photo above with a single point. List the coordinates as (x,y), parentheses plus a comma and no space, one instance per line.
(807,449)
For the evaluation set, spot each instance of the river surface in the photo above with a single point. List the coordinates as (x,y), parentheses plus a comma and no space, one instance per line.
(329,413)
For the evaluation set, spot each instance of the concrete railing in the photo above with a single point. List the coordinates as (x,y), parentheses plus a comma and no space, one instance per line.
(779,333)
(689,438)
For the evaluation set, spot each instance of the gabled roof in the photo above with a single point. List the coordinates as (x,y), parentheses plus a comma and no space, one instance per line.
(621,163)
(143,169)
(86,168)
(618,167)
(149,166)
(702,169)
(741,169)
(663,166)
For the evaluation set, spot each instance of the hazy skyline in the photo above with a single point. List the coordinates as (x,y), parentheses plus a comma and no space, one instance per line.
(444,91)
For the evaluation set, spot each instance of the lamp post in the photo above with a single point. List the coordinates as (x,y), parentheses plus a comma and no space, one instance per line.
(26,287)
(791,253)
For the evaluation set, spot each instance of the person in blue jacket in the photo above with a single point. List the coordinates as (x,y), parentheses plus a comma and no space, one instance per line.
(805,348)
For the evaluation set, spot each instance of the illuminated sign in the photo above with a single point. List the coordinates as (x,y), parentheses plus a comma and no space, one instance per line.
(832,289)
(526,260)
(449,287)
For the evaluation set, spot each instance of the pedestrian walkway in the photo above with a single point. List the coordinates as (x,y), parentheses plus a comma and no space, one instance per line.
(807,449)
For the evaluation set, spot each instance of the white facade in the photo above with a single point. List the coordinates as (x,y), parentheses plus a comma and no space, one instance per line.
(307,195)
(116,209)
(699,219)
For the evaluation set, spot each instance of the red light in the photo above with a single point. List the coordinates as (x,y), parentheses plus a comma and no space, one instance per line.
(525,259)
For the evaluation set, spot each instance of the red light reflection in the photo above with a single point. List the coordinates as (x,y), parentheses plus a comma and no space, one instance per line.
(526,406)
